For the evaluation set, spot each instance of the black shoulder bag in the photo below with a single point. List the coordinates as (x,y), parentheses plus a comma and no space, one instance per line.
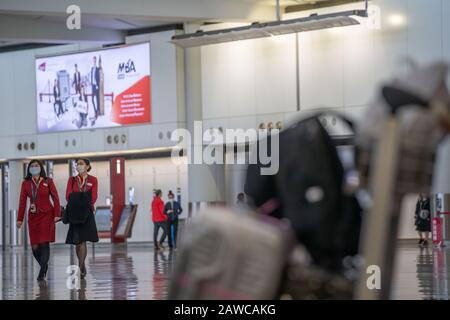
(79,205)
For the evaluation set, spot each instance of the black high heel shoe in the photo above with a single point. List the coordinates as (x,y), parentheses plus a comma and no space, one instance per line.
(42,273)
(83,272)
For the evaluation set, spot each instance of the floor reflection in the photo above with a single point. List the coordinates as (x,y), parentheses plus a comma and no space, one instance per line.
(421,273)
(114,272)
(138,272)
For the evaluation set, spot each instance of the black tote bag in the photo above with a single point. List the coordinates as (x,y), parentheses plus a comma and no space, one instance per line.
(79,207)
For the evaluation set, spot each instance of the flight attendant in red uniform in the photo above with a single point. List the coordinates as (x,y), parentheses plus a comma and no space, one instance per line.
(78,234)
(42,213)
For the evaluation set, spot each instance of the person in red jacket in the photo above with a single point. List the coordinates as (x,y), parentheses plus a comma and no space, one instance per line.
(159,220)
(42,213)
(78,234)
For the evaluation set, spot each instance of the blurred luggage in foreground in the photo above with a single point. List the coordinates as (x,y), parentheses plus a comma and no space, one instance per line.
(317,224)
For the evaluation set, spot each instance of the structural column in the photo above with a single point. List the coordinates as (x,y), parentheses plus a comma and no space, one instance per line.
(117,178)
(206,182)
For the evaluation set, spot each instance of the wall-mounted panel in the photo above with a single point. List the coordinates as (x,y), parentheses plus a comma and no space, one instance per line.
(93,140)
(46,143)
(24,108)
(321,55)
(275,74)
(391,40)
(162,133)
(215,80)
(69,142)
(425,29)
(140,137)
(115,139)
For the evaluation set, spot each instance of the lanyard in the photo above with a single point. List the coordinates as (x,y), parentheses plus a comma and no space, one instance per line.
(422,204)
(34,192)
(81,186)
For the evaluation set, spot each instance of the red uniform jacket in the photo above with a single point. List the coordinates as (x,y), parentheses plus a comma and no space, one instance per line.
(158,210)
(91,185)
(41,224)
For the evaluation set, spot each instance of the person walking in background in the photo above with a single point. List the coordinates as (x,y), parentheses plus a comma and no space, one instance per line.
(423,219)
(42,214)
(159,220)
(81,195)
(172,209)
(241,200)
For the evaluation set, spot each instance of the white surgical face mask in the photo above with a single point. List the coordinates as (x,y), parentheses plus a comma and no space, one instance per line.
(81,168)
(35,171)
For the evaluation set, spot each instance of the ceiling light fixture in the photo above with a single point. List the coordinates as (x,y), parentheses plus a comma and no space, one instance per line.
(263,30)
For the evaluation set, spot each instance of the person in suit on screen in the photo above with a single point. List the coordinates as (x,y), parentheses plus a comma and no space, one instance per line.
(77,80)
(57,97)
(95,82)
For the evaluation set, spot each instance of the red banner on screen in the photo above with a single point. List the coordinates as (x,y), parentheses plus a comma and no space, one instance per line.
(133,105)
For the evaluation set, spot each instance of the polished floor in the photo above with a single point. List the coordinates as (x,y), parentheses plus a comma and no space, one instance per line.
(137,272)
(114,272)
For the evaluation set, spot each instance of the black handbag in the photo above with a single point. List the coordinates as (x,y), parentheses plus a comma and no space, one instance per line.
(78,207)
(64,217)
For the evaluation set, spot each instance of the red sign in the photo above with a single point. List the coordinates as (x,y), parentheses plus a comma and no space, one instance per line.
(436,227)
(133,105)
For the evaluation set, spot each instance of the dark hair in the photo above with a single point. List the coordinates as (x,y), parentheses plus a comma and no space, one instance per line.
(158,192)
(87,161)
(42,174)
(241,196)
(170,194)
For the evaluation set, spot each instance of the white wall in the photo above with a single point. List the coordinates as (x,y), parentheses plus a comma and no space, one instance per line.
(18,105)
(146,175)
(250,81)
(253,81)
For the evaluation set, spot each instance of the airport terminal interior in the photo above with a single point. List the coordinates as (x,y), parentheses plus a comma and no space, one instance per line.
(239,149)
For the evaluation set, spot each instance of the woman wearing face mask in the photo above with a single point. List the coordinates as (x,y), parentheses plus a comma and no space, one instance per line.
(172,209)
(79,233)
(42,213)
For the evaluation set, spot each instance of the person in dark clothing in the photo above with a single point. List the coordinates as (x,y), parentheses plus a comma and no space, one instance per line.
(241,200)
(77,80)
(423,219)
(95,81)
(172,209)
(57,97)
(159,220)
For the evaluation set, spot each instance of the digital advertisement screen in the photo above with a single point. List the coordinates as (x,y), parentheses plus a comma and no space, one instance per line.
(96,89)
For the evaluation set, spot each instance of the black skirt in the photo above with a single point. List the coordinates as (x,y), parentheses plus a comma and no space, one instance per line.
(423,225)
(79,233)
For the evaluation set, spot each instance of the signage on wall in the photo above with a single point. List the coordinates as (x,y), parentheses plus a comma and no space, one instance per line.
(96,89)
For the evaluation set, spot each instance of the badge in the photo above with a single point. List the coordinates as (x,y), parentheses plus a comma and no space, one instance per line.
(33,208)
(424,214)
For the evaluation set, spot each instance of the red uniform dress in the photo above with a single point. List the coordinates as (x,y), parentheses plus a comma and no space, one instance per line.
(41,225)
(79,233)
(91,185)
